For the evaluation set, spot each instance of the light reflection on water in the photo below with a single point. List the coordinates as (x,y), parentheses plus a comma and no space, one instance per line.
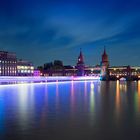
(72,110)
(118,102)
(22,102)
(137,102)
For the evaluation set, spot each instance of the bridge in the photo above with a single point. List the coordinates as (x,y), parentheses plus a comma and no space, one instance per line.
(114,73)
(131,73)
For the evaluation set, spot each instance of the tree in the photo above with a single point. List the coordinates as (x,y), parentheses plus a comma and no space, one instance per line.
(48,66)
(58,64)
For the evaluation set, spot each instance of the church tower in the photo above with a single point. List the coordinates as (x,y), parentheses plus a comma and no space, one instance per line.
(104,66)
(80,65)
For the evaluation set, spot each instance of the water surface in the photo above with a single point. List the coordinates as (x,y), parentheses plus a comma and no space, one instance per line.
(70,111)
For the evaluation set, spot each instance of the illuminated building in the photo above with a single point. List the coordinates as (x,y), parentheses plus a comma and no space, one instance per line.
(80,65)
(8,64)
(25,68)
(104,71)
(104,66)
(37,73)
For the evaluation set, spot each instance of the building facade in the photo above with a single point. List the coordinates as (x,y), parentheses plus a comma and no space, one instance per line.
(8,64)
(25,68)
(80,65)
(37,72)
(104,66)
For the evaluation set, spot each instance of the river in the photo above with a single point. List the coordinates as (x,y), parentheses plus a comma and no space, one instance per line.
(84,110)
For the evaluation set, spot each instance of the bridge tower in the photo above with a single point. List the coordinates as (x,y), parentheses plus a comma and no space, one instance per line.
(104,66)
(80,65)
(129,76)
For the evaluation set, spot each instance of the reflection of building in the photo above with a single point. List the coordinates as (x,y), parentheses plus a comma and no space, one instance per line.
(8,64)
(25,68)
(80,65)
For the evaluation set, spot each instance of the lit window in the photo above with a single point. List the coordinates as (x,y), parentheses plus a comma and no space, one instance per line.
(32,68)
(18,67)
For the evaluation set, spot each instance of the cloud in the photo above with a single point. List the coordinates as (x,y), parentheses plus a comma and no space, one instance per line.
(52,29)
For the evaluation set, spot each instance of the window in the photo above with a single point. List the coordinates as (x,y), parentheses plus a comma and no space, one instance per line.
(32,68)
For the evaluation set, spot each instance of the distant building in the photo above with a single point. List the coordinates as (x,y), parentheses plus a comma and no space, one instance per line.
(37,73)
(104,66)
(103,70)
(80,65)
(25,68)
(8,64)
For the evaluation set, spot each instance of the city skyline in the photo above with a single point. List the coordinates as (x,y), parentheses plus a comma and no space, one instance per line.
(43,31)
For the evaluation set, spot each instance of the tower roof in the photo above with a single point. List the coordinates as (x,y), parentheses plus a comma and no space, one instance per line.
(81,55)
(80,58)
(104,55)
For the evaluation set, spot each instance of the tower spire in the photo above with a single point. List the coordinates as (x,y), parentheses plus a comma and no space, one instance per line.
(104,49)
(80,64)
(80,58)
(104,65)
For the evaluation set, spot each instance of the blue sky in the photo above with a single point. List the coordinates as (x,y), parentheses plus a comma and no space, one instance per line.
(44,30)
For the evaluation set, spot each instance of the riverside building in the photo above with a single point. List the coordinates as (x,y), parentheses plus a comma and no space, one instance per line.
(25,68)
(8,64)
(11,66)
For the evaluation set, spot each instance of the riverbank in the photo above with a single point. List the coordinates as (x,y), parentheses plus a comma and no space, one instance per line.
(38,79)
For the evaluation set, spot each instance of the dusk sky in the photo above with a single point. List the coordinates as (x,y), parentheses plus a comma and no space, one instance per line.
(44,30)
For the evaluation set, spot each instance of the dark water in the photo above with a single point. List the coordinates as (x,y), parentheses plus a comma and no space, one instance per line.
(70,111)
